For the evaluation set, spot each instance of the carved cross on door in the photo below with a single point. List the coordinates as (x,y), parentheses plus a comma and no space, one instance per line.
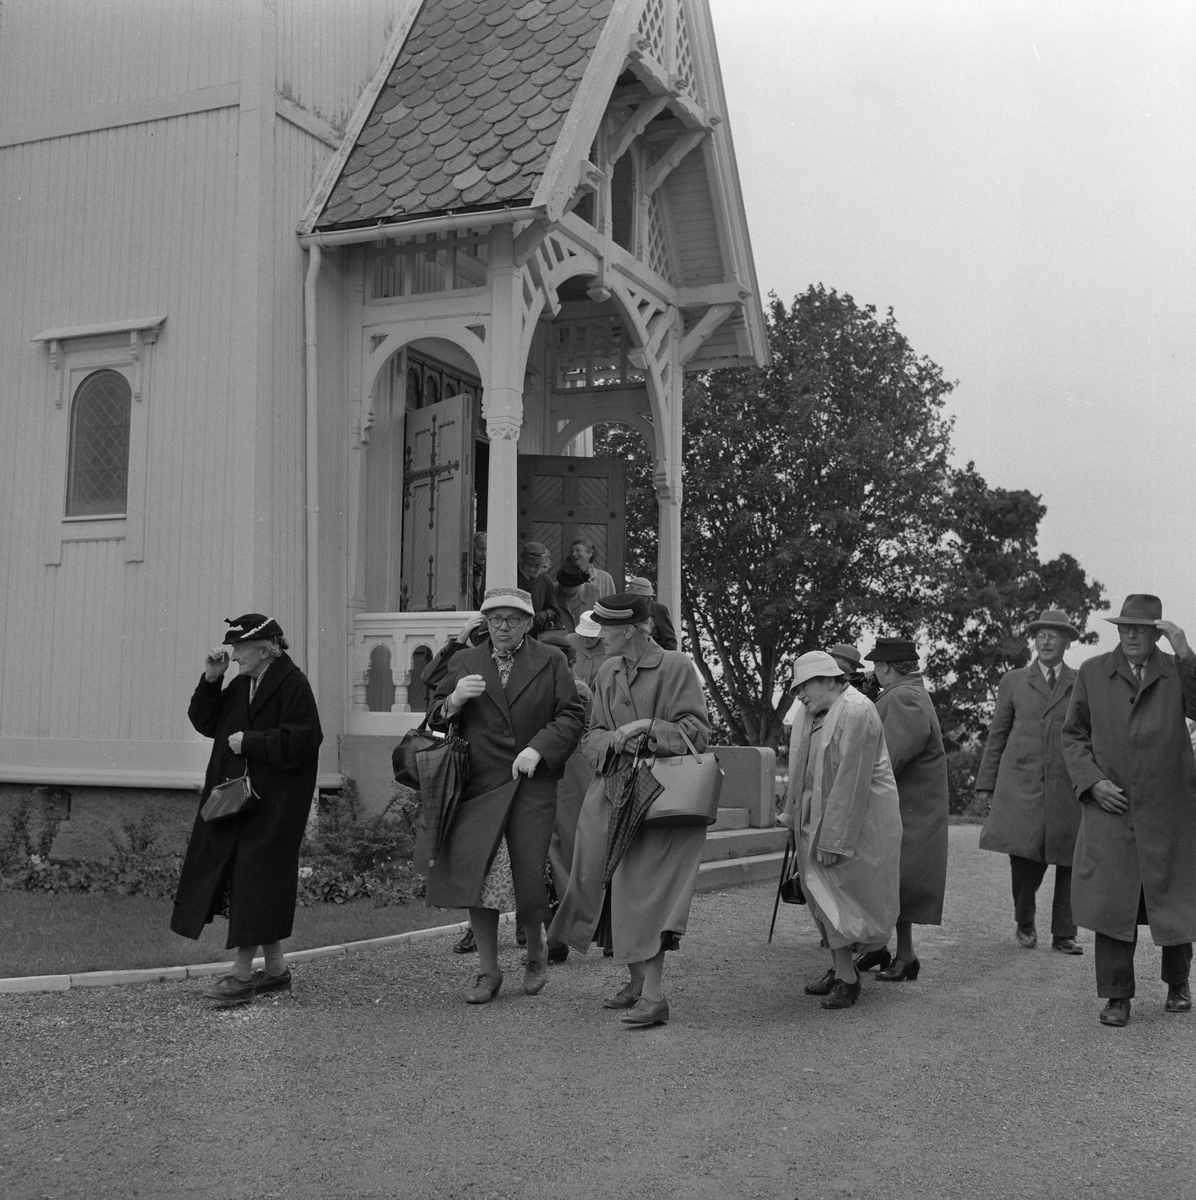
(431,473)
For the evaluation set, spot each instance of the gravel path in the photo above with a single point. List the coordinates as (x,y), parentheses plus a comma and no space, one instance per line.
(988,1077)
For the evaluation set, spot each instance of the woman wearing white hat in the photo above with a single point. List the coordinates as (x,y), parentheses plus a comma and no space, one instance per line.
(843,810)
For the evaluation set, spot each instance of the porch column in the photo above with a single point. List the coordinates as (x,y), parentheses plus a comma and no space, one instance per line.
(667,479)
(502,408)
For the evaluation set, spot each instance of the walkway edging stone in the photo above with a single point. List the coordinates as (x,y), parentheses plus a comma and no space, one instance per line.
(64,983)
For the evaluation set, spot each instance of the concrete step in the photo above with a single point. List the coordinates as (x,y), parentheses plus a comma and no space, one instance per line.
(732,818)
(732,872)
(742,843)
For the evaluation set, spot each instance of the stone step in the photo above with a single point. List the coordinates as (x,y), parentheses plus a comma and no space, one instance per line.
(742,843)
(732,818)
(731,872)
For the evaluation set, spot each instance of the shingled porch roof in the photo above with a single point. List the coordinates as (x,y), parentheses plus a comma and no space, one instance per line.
(470,112)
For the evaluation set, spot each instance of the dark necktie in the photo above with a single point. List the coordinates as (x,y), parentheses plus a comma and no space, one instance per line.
(1137,667)
(1051,678)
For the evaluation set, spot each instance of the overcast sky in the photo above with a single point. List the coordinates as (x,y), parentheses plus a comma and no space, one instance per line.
(1017,181)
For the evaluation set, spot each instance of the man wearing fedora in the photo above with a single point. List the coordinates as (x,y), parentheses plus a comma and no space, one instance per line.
(851,664)
(1034,815)
(663,633)
(1125,742)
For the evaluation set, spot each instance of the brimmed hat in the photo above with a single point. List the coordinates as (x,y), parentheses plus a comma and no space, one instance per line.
(569,576)
(1139,609)
(587,626)
(535,554)
(639,586)
(508,598)
(252,627)
(848,652)
(890,650)
(1053,618)
(814,665)
(625,608)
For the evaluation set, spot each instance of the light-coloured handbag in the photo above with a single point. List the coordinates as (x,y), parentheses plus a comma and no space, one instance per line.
(691,783)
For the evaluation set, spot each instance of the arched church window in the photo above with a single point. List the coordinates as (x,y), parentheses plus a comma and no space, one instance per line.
(415,389)
(431,390)
(417,690)
(98,466)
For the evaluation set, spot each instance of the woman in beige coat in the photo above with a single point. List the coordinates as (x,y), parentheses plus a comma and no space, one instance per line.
(641,690)
(843,810)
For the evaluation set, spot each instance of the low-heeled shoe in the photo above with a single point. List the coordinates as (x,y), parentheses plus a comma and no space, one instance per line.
(520,936)
(822,987)
(558,954)
(1179,998)
(465,944)
(1027,937)
(647,1012)
(272,983)
(625,997)
(485,988)
(899,971)
(1115,1013)
(228,989)
(1067,945)
(873,958)
(535,976)
(843,994)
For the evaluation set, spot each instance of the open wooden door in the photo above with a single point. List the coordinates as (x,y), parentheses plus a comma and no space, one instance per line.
(561,499)
(437,506)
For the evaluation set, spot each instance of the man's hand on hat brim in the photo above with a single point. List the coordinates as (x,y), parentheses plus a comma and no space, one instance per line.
(1176,636)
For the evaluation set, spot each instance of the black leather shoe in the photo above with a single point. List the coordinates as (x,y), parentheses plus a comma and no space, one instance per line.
(520,936)
(1067,945)
(558,954)
(1179,998)
(843,994)
(272,983)
(1115,1013)
(873,958)
(228,989)
(1027,937)
(900,971)
(823,986)
(466,944)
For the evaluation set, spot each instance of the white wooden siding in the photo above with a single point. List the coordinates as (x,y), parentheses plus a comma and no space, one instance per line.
(691,214)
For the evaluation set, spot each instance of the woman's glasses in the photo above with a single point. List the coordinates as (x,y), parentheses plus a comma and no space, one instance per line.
(504,622)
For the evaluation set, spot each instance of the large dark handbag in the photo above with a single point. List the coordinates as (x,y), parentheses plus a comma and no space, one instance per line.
(402,758)
(233,798)
(691,783)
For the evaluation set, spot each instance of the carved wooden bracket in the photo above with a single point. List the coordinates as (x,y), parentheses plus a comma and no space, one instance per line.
(660,170)
(634,126)
(713,317)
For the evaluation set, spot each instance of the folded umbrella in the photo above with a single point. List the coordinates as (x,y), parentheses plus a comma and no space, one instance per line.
(630,788)
(443,773)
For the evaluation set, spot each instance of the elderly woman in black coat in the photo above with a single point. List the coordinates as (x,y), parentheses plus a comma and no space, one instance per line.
(247,867)
(518,708)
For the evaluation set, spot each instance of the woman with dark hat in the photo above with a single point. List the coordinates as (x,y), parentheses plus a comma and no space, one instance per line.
(915,744)
(518,708)
(641,691)
(247,867)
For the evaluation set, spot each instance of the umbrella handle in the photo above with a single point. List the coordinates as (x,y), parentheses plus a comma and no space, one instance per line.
(776,904)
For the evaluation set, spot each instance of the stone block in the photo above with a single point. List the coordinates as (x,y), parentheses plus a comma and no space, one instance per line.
(749,781)
(36,983)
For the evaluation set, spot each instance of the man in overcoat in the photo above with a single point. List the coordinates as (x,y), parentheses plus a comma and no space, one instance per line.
(1034,815)
(915,744)
(1131,764)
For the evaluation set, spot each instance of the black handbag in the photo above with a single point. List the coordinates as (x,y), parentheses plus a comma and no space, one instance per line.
(402,758)
(232,798)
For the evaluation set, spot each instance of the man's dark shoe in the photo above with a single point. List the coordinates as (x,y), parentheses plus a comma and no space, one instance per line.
(230,990)
(1067,945)
(1027,936)
(558,954)
(1115,1013)
(1179,998)
(466,944)
(272,983)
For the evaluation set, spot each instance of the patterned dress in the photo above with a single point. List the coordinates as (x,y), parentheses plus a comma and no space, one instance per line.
(498,888)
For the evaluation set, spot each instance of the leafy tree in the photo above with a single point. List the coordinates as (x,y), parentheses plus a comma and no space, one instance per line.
(996,588)
(814,501)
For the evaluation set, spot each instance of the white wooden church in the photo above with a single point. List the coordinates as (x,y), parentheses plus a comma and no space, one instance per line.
(296,297)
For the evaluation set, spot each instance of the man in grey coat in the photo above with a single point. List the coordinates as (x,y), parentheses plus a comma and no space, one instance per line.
(1034,815)
(1127,750)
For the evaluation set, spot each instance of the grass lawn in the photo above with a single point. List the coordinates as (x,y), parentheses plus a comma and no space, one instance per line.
(45,934)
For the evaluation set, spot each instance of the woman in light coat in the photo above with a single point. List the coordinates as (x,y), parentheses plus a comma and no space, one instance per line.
(640,690)
(842,808)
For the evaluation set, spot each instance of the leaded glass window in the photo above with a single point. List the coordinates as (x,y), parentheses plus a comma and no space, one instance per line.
(98,470)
